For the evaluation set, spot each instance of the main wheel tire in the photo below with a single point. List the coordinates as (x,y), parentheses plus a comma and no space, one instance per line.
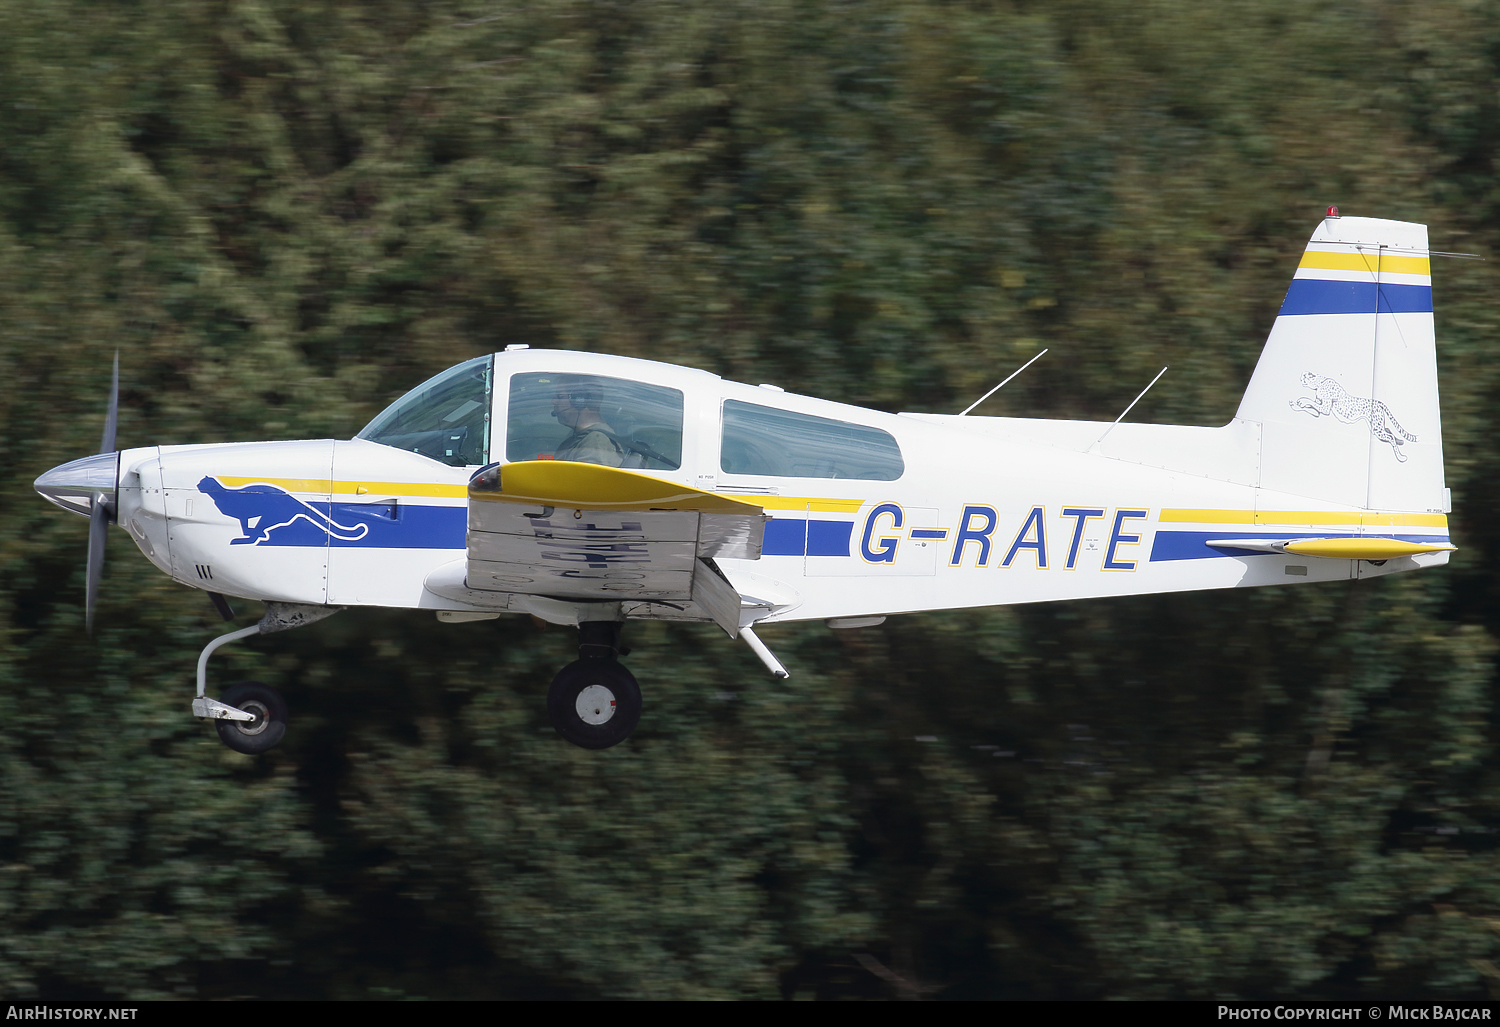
(594,703)
(253,737)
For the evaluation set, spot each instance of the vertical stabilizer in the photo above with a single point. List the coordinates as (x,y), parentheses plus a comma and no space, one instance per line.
(1346,388)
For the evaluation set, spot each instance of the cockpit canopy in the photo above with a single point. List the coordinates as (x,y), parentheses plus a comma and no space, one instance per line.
(446,418)
(582,416)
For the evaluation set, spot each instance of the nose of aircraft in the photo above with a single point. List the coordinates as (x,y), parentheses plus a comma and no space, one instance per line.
(74,485)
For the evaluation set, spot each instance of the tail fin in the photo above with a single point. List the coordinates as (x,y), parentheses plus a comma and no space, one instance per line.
(1346,389)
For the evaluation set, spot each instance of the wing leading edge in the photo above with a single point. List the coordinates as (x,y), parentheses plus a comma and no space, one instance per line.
(584,531)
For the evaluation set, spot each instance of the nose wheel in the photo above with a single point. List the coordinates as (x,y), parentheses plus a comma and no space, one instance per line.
(267,723)
(594,703)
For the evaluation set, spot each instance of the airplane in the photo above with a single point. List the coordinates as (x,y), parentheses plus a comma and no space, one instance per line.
(592,490)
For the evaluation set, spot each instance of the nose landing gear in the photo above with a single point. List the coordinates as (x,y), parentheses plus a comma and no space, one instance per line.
(251,718)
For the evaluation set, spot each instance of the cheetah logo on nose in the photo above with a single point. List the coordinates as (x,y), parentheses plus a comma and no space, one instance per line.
(261,509)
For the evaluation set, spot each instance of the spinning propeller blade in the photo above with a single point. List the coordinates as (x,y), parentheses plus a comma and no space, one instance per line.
(102,510)
(107,443)
(98,525)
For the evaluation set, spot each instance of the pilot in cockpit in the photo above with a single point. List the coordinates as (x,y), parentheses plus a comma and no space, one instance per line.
(576,404)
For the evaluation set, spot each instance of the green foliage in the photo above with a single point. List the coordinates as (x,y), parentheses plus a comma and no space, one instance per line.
(285,214)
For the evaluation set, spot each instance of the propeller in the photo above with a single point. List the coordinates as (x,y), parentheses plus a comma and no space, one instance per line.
(102,510)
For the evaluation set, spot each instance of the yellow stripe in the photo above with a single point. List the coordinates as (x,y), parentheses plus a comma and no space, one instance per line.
(1367,262)
(352,488)
(1367,519)
(803,503)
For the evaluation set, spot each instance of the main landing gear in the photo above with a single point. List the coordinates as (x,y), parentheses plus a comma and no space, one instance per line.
(594,702)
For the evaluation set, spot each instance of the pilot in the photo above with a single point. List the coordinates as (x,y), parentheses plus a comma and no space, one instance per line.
(576,405)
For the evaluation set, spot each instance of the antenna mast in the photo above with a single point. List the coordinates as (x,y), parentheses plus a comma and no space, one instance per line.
(997,388)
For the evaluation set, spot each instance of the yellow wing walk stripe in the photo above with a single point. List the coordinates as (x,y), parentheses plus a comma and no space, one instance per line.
(1285,518)
(352,488)
(1369,263)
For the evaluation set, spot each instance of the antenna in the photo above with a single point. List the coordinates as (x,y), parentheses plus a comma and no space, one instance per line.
(997,388)
(1127,410)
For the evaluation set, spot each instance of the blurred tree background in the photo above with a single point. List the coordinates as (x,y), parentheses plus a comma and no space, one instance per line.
(284,214)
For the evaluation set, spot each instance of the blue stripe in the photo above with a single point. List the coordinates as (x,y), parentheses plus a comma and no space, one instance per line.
(446,527)
(397,526)
(933,533)
(793,536)
(1315,296)
(413,527)
(828,538)
(784,537)
(1192,545)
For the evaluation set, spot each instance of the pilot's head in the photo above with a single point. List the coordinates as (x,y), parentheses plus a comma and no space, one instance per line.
(577,401)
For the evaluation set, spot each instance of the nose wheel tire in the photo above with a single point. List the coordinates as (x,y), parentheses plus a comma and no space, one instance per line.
(594,703)
(253,737)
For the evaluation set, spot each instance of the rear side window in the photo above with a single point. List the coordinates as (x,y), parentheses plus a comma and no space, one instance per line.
(594,419)
(782,443)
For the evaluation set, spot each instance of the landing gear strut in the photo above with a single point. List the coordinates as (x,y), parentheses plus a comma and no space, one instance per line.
(251,718)
(594,702)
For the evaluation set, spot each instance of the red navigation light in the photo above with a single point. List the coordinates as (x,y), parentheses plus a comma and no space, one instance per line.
(1333,212)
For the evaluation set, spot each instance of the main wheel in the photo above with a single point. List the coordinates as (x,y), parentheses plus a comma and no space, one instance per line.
(253,737)
(594,703)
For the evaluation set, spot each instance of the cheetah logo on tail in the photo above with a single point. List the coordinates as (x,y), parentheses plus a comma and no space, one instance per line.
(1329,397)
(261,509)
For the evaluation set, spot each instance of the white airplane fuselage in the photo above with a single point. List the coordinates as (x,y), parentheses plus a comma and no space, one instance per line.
(591,490)
(985,511)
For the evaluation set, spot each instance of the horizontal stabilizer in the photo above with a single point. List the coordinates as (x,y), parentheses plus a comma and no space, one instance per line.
(1335,548)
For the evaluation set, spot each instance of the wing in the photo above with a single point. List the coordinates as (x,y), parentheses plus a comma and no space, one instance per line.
(585,531)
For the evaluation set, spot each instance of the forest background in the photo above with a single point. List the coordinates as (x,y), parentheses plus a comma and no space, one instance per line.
(284,214)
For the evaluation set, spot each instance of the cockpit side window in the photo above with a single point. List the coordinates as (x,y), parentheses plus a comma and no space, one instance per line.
(593,419)
(446,418)
(769,441)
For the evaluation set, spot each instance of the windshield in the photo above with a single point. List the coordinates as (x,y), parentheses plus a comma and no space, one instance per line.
(446,418)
